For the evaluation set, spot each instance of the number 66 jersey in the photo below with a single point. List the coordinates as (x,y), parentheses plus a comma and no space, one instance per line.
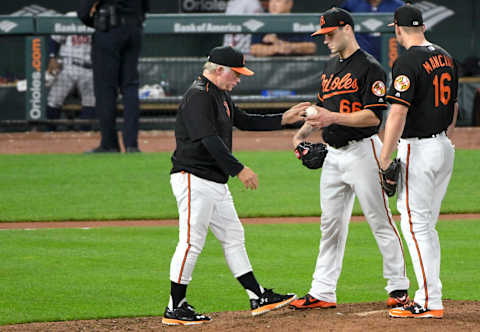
(425,80)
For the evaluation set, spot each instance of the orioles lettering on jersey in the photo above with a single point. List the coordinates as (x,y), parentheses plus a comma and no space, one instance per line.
(337,85)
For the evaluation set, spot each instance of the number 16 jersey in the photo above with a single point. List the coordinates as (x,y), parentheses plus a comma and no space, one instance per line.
(425,80)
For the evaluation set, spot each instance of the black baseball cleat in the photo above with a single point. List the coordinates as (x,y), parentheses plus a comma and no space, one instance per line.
(398,298)
(270,301)
(184,315)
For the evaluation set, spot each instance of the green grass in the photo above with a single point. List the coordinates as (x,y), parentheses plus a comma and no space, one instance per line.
(66,274)
(107,187)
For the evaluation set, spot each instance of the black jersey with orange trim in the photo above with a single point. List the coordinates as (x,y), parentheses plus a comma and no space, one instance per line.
(351,85)
(425,80)
(208,111)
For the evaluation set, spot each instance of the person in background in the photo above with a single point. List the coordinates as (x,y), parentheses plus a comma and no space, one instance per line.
(70,67)
(116,46)
(371,42)
(285,43)
(241,41)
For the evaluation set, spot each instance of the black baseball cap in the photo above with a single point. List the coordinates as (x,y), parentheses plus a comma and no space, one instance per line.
(332,19)
(407,16)
(230,57)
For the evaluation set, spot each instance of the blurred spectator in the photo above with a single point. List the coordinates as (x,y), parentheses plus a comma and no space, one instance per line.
(281,43)
(70,68)
(240,41)
(371,42)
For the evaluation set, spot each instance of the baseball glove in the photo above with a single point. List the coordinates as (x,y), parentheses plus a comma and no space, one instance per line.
(389,177)
(312,155)
(54,66)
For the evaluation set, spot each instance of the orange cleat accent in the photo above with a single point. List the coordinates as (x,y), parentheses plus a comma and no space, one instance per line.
(414,310)
(309,302)
(169,321)
(397,301)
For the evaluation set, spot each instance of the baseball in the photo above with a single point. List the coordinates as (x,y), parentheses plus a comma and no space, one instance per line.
(310,111)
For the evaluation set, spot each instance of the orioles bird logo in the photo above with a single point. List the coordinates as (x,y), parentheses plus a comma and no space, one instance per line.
(322,20)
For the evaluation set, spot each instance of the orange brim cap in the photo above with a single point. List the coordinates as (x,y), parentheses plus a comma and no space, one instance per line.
(243,71)
(323,31)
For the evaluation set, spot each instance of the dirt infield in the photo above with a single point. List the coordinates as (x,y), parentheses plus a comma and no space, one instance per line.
(174,222)
(460,315)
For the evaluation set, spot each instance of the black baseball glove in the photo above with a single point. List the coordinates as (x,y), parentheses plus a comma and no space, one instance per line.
(312,155)
(389,177)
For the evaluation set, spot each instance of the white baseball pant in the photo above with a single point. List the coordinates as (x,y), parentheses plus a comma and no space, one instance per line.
(204,204)
(349,171)
(427,166)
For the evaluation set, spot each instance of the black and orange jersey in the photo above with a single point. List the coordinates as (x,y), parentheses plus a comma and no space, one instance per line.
(207,111)
(351,85)
(425,80)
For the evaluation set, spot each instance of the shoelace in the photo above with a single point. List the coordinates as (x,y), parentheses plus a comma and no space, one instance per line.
(412,305)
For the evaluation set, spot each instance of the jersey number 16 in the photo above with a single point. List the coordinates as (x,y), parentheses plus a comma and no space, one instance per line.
(442,91)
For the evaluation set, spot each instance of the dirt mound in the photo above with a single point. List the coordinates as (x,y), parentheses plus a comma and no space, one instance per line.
(459,316)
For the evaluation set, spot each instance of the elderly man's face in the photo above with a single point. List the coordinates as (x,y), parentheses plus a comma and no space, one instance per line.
(227,79)
(280,6)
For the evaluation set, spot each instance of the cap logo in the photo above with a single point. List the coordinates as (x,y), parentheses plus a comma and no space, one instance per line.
(322,21)
(341,22)
(415,23)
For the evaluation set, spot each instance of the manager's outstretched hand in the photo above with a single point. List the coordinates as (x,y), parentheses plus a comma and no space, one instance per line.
(296,113)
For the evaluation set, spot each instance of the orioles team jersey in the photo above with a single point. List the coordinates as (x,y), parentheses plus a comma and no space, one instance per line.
(351,85)
(425,80)
(208,111)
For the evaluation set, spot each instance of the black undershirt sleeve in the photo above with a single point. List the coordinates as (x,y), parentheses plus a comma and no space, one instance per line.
(217,148)
(256,122)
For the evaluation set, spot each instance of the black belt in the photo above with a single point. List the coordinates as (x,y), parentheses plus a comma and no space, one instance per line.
(427,136)
(82,64)
(343,144)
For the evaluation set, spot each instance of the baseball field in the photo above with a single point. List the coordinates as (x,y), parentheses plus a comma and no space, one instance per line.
(100,275)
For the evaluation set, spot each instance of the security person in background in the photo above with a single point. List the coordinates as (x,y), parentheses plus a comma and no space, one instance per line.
(115,51)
